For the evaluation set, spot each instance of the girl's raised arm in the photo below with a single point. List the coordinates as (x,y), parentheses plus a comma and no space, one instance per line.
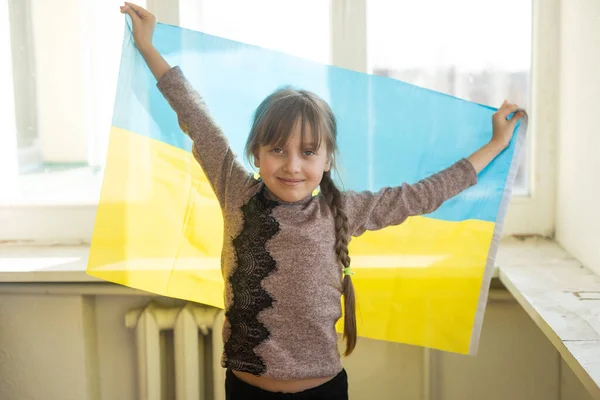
(227,176)
(143,30)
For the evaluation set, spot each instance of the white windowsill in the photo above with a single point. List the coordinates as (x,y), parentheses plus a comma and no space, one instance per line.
(55,186)
(562,297)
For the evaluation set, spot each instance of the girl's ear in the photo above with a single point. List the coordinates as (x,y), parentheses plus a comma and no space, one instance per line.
(328,165)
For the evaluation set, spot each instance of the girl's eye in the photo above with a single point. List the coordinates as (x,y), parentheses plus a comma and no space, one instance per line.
(309,153)
(277,150)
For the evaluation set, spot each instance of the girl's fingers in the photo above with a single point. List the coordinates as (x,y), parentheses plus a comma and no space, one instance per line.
(516,118)
(508,108)
(134,16)
(141,12)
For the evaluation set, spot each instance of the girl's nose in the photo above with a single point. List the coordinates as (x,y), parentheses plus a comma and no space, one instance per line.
(293,164)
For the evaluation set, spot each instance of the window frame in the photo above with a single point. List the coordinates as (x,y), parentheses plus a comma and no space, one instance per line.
(533,214)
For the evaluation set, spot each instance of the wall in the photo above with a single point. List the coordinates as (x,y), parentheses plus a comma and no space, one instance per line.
(578,180)
(77,347)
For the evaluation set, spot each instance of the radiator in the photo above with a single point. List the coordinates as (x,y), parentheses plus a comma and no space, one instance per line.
(190,325)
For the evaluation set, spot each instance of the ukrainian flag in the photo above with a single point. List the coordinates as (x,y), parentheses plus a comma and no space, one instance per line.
(159,226)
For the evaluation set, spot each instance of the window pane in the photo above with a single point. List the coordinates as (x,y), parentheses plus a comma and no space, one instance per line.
(297,27)
(60,95)
(472,49)
(65,67)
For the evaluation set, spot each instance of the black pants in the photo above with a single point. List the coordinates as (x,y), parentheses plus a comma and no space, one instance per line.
(335,389)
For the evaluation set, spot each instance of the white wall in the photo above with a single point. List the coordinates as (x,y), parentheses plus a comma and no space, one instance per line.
(578,173)
(44,348)
(74,346)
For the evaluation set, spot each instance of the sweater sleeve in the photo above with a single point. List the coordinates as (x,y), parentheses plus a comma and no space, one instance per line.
(393,205)
(226,174)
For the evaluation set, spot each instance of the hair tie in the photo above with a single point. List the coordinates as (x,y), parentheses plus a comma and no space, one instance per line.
(348,271)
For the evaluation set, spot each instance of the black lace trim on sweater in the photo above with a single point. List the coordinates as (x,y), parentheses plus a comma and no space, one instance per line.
(254,263)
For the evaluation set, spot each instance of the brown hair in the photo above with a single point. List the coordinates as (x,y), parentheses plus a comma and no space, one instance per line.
(274,120)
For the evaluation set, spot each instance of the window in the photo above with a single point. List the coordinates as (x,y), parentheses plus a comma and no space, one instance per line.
(472,49)
(297,27)
(65,63)
(60,66)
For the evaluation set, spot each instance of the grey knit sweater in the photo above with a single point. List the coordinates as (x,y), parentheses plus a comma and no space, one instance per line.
(283,282)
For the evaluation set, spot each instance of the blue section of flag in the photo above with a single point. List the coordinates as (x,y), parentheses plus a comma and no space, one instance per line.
(389,131)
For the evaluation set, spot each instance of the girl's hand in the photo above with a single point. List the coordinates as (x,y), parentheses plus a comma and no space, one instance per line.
(503,128)
(143,25)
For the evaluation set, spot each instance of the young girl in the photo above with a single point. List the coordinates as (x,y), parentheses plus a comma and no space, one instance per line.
(285,253)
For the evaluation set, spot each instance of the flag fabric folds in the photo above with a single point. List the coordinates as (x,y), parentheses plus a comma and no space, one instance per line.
(159,226)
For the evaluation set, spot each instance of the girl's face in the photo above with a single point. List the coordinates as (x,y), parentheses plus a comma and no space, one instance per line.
(294,171)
